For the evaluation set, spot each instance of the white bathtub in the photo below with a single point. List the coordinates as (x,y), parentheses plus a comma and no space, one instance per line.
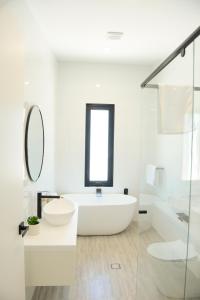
(104,215)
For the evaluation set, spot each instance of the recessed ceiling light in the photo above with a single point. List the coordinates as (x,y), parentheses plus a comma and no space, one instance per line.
(98,85)
(107,49)
(115,35)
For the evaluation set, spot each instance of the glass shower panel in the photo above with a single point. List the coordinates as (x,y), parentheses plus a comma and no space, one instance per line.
(167,115)
(193,261)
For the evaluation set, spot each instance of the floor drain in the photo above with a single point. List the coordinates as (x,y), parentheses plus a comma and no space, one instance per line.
(115,266)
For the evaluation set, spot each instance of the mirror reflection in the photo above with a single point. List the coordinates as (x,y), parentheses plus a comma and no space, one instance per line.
(34,143)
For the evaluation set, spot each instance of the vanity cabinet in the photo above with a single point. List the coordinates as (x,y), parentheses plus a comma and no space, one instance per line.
(50,257)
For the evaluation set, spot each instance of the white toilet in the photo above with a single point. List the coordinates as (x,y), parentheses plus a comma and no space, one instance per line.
(169,265)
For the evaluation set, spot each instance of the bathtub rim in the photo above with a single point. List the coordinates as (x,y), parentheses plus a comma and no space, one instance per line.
(130,200)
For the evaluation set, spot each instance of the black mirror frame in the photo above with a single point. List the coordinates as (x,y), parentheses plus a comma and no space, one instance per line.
(26,143)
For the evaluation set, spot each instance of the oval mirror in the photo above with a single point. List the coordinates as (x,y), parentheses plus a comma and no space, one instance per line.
(34,143)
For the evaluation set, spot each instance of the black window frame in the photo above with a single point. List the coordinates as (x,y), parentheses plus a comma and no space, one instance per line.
(111,109)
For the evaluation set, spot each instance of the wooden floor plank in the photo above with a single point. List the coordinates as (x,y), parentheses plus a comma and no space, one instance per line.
(96,280)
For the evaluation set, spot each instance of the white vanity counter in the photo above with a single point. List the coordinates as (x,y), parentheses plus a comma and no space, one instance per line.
(50,255)
(64,236)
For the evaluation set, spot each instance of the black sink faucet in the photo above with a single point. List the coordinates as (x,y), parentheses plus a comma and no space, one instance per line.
(40,196)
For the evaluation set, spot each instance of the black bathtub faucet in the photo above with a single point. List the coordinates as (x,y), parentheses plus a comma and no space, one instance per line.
(98,192)
(40,196)
(125,191)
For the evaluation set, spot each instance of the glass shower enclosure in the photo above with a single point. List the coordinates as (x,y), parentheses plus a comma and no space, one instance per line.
(169,201)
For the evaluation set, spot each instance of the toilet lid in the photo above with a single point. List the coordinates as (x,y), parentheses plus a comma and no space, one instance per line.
(171,251)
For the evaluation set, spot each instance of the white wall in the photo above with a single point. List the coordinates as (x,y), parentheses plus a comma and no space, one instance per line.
(39,90)
(76,86)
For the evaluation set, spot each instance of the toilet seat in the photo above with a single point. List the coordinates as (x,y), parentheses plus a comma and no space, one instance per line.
(171,251)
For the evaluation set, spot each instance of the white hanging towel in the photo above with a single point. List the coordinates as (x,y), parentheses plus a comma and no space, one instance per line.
(151,175)
(174,109)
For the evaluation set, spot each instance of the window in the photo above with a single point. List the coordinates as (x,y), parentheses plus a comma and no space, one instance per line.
(99,144)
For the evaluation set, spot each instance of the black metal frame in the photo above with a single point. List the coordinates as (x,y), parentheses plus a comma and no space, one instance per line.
(26,143)
(111,109)
(172,56)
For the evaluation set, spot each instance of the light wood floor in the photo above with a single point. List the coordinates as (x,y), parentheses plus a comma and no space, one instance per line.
(96,280)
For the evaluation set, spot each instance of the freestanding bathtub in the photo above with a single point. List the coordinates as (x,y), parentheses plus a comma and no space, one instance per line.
(103,215)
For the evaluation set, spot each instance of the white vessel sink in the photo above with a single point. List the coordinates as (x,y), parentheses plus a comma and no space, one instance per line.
(59,211)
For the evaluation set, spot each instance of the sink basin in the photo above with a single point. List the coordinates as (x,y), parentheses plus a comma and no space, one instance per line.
(59,211)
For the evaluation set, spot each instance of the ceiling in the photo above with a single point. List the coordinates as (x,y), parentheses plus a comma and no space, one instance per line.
(76,30)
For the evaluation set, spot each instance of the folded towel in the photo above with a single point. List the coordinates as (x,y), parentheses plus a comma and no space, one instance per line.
(175,109)
(151,174)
